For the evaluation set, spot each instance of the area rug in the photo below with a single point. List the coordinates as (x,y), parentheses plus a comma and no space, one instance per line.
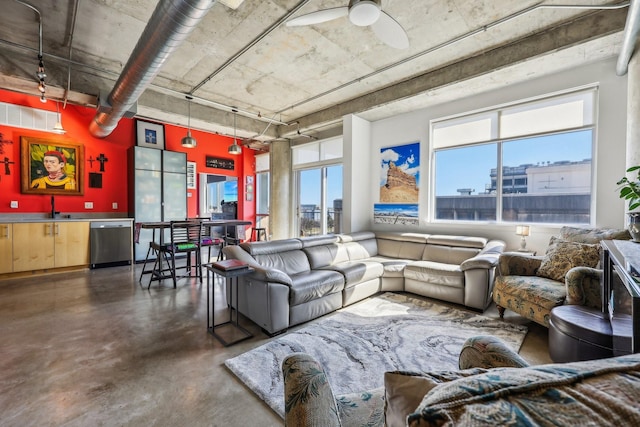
(357,344)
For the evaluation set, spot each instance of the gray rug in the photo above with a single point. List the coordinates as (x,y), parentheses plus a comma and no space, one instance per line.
(357,344)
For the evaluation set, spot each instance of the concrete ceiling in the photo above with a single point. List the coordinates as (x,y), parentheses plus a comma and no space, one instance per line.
(307,77)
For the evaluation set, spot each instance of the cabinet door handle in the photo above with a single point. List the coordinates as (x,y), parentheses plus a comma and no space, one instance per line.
(6,231)
(57,229)
(47,229)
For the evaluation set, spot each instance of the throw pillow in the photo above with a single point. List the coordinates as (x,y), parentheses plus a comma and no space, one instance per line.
(562,256)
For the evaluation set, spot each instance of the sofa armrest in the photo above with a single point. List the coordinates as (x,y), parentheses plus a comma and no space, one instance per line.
(488,352)
(270,275)
(308,399)
(515,264)
(583,287)
(260,272)
(487,258)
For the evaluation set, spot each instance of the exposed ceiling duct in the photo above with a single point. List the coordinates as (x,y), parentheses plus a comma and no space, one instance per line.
(631,31)
(170,25)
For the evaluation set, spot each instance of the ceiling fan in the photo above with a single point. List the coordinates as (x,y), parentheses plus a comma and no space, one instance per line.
(362,13)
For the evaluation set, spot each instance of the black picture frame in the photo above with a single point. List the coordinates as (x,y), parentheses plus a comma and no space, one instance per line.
(150,134)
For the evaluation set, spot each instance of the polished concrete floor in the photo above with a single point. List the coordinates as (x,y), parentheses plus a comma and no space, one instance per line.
(95,348)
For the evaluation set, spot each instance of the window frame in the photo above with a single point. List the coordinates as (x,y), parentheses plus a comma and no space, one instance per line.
(588,90)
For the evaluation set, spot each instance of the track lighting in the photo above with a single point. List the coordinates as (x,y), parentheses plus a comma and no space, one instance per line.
(41,74)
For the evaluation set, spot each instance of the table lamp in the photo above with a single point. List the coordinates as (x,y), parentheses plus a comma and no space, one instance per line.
(522,230)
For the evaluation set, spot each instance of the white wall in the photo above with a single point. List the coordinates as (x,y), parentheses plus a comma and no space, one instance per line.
(609,154)
(357,157)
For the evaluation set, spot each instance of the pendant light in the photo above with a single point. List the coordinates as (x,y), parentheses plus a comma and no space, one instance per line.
(188,141)
(234,148)
(57,128)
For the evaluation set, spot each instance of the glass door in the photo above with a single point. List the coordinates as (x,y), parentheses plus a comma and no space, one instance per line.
(319,196)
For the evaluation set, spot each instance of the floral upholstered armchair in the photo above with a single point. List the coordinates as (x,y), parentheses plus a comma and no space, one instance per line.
(566,274)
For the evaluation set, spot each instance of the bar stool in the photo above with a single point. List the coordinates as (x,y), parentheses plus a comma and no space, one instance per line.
(256,232)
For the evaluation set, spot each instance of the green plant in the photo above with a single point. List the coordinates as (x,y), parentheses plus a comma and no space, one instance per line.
(630,190)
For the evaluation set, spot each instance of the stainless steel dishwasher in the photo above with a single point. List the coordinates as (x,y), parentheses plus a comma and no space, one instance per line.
(111,243)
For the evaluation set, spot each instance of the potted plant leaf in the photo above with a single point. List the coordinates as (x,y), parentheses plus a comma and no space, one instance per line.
(630,191)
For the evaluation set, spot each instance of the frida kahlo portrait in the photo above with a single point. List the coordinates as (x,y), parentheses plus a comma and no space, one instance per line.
(51,167)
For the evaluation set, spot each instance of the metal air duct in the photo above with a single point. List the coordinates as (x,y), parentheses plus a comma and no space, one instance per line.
(170,25)
(631,30)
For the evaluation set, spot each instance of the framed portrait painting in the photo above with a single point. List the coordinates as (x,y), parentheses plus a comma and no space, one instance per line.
(51,167)
(149,134)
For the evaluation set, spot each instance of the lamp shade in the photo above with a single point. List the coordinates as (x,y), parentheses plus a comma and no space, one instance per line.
(188,141)
(234,148)
(522,230)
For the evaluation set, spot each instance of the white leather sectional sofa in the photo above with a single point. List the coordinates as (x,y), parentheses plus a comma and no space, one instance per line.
(296,280)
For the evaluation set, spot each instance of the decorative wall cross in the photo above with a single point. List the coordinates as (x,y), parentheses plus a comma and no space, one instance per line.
(6,162)
(102,159)
(91,160)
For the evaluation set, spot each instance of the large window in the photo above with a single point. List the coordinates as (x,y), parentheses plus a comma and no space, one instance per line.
(530,162)
(318,167)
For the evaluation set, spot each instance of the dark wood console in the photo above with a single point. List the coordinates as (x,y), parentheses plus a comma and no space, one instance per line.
(583,333)
(621,293)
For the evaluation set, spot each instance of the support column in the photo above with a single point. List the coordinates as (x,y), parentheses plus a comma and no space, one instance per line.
(280,218)
(633,111)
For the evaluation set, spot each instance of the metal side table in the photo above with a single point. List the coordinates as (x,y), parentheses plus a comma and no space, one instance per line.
(233,325)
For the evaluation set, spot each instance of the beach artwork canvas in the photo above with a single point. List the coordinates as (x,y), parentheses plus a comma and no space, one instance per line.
(400,173)
(395,213)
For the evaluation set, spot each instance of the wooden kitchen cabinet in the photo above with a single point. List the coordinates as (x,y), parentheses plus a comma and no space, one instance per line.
(71,243)
(6,248)
(33,246)
(46,245)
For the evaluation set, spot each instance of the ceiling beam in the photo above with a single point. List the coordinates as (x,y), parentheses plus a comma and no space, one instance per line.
(580,30)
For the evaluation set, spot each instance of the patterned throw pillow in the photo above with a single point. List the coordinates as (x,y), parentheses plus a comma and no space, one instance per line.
(562,256)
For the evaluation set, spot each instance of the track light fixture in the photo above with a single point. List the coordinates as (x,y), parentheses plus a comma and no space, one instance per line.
(188,141)
(234,148)
(41,75)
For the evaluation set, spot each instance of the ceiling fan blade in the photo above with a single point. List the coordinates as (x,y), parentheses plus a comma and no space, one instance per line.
(390,31)
(319,16)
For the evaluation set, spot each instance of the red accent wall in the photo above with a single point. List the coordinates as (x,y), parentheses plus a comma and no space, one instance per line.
(75,120)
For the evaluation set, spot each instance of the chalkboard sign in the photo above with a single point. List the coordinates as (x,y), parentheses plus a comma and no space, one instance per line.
(217,162)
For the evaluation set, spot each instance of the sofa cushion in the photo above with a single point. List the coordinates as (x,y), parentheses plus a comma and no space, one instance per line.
(392,267)
(404,391)
(326,255)
(362,249)
(290,262)
(356,272)
(460,241)
(357,236)
(435,273)
(401,245)
(562,256)
(600,392)
(448,254)
(530,296)
(314,284)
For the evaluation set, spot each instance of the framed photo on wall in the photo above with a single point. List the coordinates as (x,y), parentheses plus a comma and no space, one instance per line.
(149,134)
(191,175)
(51,167)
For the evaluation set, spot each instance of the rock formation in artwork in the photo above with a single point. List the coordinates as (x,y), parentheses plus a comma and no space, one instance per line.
(400,187)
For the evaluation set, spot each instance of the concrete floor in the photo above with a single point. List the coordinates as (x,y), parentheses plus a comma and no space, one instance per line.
(95,348)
